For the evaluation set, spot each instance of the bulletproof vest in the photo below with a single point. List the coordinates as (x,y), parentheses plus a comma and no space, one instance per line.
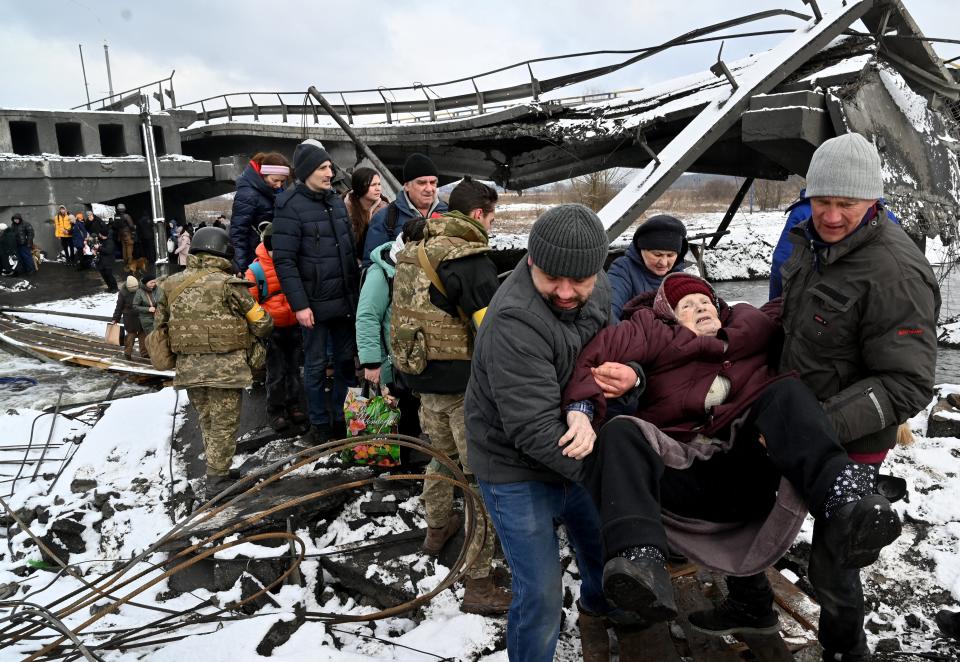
(200,320)
(420,331)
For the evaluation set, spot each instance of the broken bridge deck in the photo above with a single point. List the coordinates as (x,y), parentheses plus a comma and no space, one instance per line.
(56,344)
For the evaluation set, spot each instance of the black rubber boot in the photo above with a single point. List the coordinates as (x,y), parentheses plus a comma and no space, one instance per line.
(216,484)
(642,587)
(747,609)
(859,530)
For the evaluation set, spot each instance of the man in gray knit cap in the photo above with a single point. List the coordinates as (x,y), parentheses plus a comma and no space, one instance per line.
(526,452)
(860,305)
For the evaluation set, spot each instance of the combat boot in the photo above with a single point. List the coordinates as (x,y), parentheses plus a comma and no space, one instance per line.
(594,640)
(747,609)
(316,435)
(277,421)
(437,537)
(484,597)
(641,586)
(216,484)
(295,415)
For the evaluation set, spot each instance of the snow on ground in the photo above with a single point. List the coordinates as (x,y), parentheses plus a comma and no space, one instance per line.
(15,286)
(743,254)
(127,453)
(96,304)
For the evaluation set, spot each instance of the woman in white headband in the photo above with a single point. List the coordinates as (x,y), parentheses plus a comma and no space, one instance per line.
(265,177)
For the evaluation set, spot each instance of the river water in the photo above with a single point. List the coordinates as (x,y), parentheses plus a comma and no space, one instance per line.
(87,384)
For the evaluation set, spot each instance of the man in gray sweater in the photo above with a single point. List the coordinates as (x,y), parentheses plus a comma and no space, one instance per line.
(526,452)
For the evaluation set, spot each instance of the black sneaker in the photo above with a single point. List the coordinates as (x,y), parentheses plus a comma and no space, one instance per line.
(860,529)
(735,617)
(642,587)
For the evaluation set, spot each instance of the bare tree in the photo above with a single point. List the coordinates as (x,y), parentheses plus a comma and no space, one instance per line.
(598,188)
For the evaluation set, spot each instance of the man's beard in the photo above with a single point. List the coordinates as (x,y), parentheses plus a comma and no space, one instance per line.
(564,314)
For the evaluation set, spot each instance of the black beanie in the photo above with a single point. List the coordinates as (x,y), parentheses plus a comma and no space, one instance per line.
(568,241)
(662,233)
(418,165)
(15,217)
(307,157)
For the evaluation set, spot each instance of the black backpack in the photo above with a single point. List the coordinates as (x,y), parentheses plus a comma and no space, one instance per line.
(393,213)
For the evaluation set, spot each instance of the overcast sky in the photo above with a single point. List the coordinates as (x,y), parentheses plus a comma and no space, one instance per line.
(218,47)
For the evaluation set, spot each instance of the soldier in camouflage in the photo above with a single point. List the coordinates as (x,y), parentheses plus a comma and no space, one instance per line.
(213,322)
(441,291)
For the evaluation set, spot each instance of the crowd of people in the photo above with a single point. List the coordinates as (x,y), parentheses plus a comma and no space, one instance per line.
(636,408)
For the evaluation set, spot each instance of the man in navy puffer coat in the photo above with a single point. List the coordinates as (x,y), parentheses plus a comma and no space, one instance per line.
(316,261)
(252,204)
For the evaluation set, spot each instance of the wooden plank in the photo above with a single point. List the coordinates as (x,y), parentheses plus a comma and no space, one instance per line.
(794,601)
(767,647)
(703,647)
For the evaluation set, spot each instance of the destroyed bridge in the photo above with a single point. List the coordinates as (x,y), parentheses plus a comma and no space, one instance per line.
(759,117)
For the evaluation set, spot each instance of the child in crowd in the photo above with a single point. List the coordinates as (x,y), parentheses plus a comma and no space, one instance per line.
(284,386)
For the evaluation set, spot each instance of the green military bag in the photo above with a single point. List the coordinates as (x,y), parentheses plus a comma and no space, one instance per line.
(157,343)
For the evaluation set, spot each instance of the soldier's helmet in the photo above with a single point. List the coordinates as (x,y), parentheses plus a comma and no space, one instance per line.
(214,241)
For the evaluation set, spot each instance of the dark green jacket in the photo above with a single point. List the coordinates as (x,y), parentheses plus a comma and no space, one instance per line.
(859,318)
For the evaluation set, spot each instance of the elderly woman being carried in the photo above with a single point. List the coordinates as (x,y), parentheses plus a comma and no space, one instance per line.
(721,460)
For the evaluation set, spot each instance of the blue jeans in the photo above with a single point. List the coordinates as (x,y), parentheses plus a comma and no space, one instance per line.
(25,257)
(326,407)
(525,515)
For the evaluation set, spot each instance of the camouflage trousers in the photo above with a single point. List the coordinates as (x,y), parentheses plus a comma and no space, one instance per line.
(219,412)
(441,416)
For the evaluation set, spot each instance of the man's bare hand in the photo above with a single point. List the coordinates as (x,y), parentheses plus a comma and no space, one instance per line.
(614,379)
(305,318)
(579,436)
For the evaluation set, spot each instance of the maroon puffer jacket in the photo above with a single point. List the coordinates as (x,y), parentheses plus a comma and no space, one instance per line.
(680,366)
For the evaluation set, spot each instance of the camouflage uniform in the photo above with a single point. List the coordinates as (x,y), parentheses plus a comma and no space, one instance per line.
(212,323)
(422,333)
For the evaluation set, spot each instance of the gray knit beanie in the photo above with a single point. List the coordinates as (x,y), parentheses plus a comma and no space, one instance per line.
(568,241)
(847,166)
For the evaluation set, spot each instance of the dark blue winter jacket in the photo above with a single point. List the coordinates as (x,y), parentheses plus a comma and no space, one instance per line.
(629,276)
(377,232)
(314,253)
(799,212)
(79,235)
(252,204)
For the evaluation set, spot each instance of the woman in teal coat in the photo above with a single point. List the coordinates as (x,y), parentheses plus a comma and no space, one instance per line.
(373,324)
